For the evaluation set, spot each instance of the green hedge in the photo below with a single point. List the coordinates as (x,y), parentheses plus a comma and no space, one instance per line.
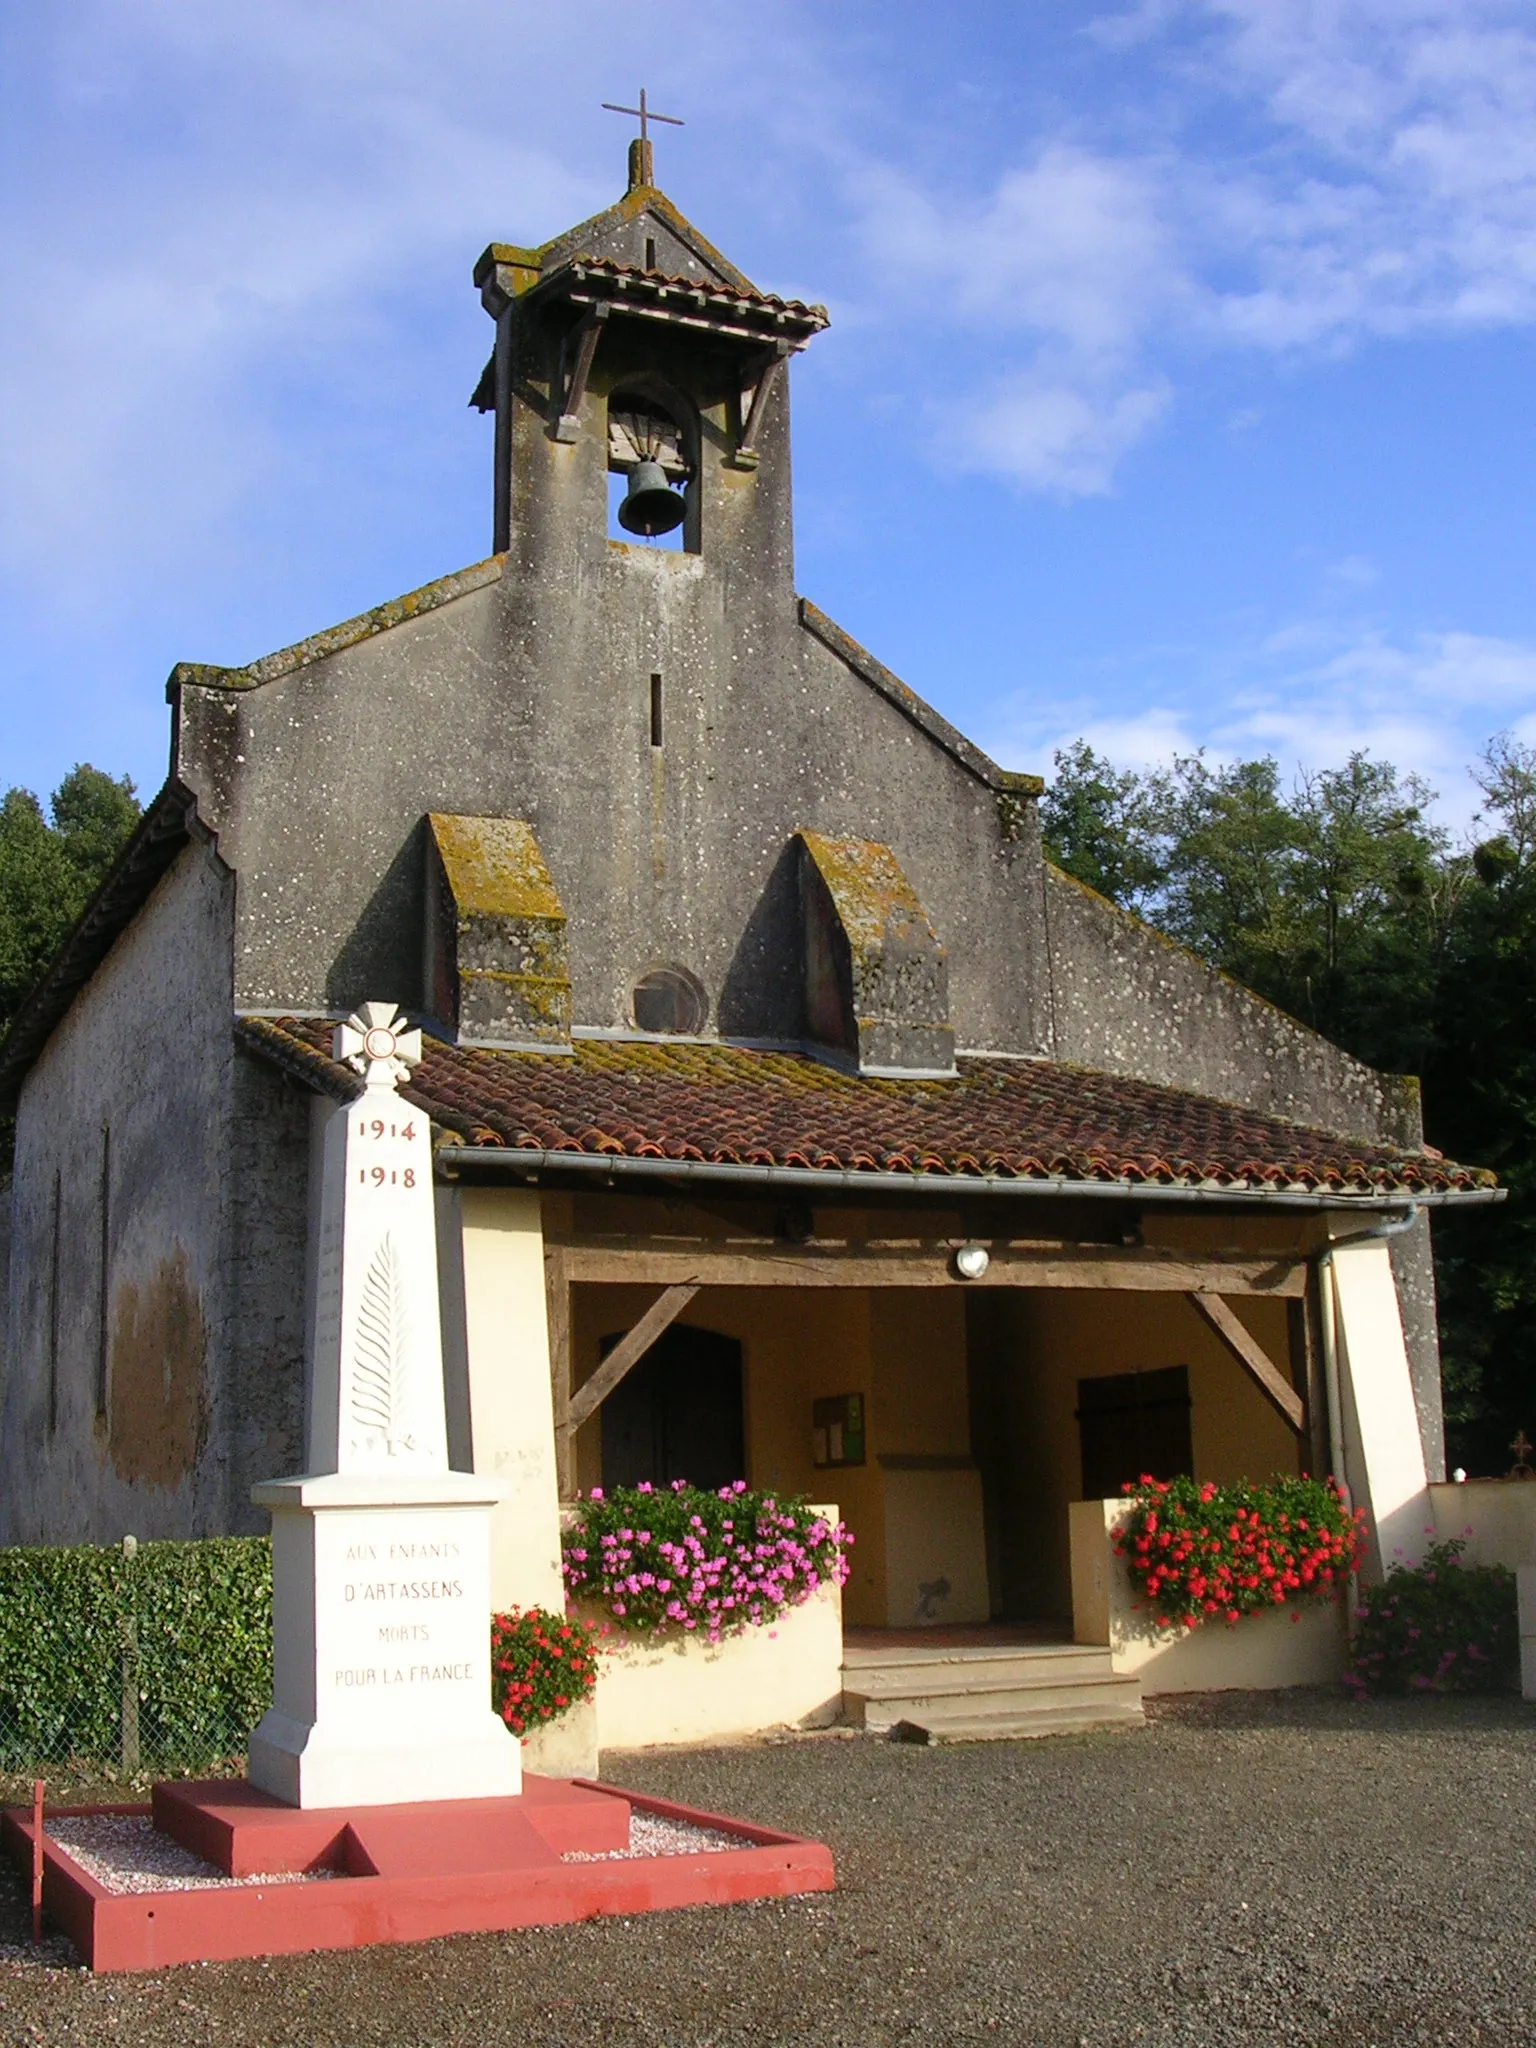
(192,1622)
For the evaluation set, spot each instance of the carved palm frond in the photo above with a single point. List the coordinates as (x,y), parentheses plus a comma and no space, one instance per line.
(380,1349)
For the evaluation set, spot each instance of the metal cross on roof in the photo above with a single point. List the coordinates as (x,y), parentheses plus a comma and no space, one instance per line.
(645,114)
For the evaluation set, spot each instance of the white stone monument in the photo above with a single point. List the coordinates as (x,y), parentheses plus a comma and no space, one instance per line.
(380,1554)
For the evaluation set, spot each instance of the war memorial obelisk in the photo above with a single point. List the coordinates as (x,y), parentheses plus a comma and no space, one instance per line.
(380,1765)
(380,1553)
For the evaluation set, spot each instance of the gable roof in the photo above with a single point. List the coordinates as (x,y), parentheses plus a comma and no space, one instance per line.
(1001,1124)
(523,267)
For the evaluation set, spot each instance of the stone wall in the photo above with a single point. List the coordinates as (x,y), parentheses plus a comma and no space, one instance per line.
(682,855)
(1125,998)
(149,1247)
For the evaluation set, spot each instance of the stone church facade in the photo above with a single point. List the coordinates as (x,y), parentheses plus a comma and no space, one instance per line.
(752,1003)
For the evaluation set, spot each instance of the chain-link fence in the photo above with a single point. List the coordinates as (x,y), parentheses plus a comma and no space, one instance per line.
(132,1661)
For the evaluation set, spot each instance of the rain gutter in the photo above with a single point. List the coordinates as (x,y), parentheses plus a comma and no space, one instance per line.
(605,1169)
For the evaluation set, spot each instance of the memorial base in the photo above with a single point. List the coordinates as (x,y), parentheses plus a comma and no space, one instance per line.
(397,1873)
(381,1643)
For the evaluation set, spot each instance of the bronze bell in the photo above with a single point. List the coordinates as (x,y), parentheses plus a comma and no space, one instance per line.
(650,504)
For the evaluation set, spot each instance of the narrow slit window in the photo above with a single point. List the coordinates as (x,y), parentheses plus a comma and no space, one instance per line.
(655,711)
(650,252)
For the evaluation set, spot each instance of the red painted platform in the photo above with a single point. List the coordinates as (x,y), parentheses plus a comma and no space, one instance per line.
(242,1831)
(409,1872)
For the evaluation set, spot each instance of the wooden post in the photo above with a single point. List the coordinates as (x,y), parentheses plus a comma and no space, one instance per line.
(557,1297)
(568,426)
(37,1861)
(1307,1370)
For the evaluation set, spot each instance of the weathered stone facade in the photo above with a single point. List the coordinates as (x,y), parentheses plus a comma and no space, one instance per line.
(704,779)
(156,1324)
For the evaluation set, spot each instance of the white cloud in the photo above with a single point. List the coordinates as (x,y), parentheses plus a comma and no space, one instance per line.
(1310,695)
(1069,247)
(1354,572)
(1392,191)
(1053,435)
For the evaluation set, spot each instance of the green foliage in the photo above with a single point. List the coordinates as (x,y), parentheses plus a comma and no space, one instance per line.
(1480,1099)
(1442,1627)
(1100,823)
(193,1621)
(542,1665)
(1205,1551)
(49,871)
(1340,902)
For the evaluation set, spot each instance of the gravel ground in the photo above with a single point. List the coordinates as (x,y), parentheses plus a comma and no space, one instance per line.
(1291,1868)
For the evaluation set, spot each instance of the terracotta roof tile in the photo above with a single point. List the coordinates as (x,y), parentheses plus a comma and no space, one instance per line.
(703,289)
(1013,1119)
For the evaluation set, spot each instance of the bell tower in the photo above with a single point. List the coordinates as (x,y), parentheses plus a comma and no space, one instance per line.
(630,347)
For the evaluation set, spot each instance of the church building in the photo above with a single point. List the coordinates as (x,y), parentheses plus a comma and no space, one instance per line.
(794,1118)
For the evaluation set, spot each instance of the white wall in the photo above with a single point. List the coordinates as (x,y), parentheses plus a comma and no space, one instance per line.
(786,1674)
(1383,1448)
(496,1356)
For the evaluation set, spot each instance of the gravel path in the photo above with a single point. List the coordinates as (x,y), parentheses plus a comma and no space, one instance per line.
(1249,1869)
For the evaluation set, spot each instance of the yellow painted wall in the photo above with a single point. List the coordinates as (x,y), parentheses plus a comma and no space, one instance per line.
(1037,1345)
(918,1389)
(903,1350)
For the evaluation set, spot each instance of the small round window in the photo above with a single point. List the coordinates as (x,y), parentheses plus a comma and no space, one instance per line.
(669,999)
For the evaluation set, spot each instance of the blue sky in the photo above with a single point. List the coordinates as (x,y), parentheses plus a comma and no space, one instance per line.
(1178,390)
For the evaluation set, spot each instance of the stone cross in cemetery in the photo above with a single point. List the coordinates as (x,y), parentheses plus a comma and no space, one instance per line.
(380,1554)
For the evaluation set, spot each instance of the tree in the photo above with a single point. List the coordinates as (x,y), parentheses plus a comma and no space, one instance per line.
(49,871)
(1341,902)
(1101,824)
(1480,1095)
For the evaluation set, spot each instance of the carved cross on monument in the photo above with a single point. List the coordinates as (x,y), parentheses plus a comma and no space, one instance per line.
(380,1553)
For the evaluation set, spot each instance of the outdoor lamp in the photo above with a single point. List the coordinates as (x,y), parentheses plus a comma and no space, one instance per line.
(971,1261)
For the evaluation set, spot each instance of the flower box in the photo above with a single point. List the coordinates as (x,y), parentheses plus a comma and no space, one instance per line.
(1300,1644)
(786,1673)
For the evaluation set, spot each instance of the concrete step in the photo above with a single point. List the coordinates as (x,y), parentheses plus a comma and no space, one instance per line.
(865,1656)
(931,1709)
(959,1673)
(981,1727)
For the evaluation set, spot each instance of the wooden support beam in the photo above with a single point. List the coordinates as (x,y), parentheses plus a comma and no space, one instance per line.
(1250,1354)
(557,1297)
(746,448)
(1307,1371)
(658,1263)
(568,427)
(629,1350)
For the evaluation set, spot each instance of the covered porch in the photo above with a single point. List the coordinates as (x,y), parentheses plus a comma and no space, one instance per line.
(958,1308)
(953,1421)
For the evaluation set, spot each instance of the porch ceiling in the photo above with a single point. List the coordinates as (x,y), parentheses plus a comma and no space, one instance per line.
(998,1122)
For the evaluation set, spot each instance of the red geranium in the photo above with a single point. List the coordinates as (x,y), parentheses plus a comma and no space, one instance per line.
(541,1665)
(1201,1550)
